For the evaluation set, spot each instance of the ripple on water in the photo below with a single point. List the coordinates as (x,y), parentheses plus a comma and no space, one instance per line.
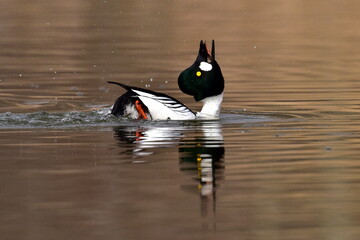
(103,117)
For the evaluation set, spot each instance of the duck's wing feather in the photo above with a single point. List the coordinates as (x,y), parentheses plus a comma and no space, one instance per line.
(161,106)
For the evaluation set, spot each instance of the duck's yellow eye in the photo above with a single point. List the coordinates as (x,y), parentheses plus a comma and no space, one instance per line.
(198,73)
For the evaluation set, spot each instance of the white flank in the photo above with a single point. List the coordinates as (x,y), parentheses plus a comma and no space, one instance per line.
(204,66)
(162,111)
(163,108)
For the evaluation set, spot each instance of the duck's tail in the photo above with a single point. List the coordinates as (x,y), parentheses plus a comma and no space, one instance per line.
(121,85)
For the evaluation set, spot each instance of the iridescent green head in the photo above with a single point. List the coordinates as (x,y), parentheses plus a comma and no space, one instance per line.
(204,78)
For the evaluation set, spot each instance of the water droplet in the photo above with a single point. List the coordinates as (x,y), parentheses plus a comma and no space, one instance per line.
(327,148)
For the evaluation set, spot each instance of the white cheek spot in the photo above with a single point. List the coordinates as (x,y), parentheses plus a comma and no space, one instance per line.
(204,66)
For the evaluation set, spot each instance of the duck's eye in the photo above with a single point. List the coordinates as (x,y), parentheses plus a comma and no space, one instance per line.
(198,73)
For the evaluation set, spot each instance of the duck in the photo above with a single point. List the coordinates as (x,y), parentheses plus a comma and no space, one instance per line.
(203,80)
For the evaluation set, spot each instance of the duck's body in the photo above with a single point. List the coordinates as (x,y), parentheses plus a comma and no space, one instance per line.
(203,80)
(139,103)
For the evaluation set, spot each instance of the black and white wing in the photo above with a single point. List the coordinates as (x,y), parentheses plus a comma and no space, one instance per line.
(161,106)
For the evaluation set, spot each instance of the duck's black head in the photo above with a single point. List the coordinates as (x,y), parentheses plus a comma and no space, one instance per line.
(204,78)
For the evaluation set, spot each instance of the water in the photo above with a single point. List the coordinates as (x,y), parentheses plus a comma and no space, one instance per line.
(280,163)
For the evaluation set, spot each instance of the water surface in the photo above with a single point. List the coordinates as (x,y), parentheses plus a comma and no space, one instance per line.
(280,163)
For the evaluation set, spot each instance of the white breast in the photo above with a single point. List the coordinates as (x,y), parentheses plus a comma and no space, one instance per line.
(211,107)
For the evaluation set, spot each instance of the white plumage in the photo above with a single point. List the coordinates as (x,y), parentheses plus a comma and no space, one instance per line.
(163,108)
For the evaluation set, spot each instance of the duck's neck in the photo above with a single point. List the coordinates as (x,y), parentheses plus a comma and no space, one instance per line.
(211,107)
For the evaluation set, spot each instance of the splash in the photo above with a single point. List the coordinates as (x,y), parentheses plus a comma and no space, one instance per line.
(100,117)
(104,118)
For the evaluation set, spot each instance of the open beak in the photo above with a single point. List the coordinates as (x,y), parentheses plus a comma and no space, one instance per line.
(204,54)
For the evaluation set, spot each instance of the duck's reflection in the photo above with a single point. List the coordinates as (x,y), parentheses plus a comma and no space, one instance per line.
(146,140)
(200,146)
(201,152)
(204,154)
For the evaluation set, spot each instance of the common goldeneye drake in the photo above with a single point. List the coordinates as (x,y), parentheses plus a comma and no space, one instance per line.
(203,80)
